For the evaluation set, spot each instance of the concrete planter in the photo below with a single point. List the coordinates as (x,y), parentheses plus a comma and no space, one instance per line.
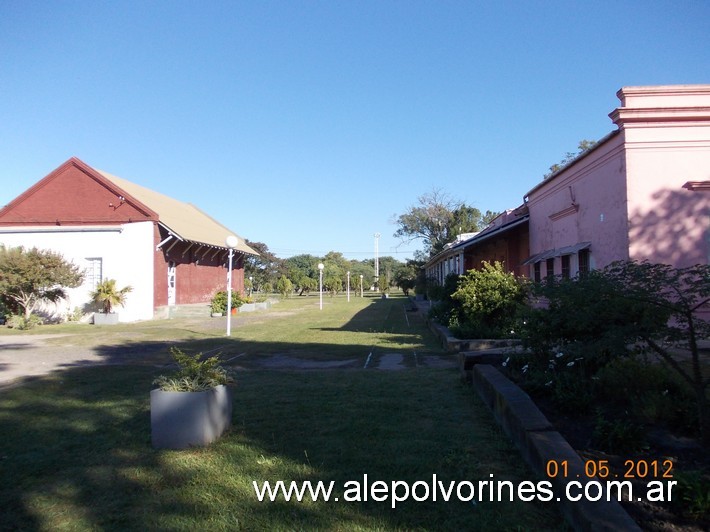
(248,307)
(182,419)
(105,319)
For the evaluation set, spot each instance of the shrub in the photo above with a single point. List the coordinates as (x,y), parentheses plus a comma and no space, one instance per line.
(22,323)
(692,495)
(649,391)
(75,315)
(284,286)
(440,295)
(219,301)
(618,436)
(622,310)
(487,301)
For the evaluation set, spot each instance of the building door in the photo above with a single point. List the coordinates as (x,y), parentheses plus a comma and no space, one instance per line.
(171,284)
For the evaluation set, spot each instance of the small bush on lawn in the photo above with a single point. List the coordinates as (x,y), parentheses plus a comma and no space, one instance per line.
(21,323)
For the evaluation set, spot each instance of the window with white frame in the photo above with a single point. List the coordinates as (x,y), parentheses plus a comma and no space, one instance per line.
(93,275)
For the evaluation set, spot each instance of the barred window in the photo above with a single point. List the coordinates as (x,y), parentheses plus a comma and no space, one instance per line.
(550,268)
(565,266)
(94,267)
(583,261)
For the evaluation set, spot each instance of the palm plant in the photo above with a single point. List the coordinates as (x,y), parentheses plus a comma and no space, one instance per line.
(107,295)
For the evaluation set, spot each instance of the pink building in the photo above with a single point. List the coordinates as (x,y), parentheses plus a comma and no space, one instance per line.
(640,193)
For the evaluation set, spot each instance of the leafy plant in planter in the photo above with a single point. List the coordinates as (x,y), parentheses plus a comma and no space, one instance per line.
(107,296)
(218,305)
(193,406)
(194,374)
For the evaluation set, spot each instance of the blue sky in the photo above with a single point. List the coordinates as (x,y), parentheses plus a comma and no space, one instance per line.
(310,125)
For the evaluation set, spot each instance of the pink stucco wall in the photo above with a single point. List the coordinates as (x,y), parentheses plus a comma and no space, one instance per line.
(626,196)
(667,143)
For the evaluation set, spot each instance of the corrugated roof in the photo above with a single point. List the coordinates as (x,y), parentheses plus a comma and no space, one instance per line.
(183,219)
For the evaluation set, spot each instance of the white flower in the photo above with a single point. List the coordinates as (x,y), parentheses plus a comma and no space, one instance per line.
(548,383)
(558,355)
(525,368)
(570,364)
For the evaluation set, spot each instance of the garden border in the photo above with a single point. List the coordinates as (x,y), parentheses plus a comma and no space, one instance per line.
(538,442)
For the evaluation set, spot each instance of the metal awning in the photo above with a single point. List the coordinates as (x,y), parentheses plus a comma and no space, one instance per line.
(550,253)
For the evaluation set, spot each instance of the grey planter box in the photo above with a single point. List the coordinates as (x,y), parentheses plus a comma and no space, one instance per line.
(182,419)
(105,319)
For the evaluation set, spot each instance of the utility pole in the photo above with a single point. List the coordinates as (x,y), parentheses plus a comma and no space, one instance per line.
(377,260)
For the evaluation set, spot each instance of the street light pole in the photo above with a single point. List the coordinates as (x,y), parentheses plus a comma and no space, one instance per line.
(361,286)
(231,242)
(348,287)
(320,270)
(377,260)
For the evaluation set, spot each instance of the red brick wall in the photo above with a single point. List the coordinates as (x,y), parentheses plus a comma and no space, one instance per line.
(199,272)
(511,249)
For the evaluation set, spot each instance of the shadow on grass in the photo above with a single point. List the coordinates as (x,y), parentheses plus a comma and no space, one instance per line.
(76,451)
(77,454)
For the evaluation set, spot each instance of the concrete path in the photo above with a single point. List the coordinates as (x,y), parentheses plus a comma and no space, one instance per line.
(33,355)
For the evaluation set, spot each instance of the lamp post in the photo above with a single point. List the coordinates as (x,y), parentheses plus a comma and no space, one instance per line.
(320,284)
(348,287)
(377,260)
(251,285)
(361,286)
(231,242)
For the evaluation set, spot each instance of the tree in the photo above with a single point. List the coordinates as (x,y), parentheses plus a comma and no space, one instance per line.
(366,268)
(406,275)
(302,270)
(108,296)
(30,277)
(284,286)
(583,146)
(438,219)
(265,268)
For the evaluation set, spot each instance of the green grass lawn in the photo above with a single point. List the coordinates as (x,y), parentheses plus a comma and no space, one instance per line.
(75,451)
